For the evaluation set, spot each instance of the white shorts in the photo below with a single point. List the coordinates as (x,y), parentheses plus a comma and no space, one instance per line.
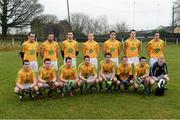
(134,60)
(89,78)
(153,60)
(107,76)
(116,61)
(94,61)
(26,86)
(34,66)
(73,61)
(46,85)
(54,64)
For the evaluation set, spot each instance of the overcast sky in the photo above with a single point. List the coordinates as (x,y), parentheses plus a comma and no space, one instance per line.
(145,17)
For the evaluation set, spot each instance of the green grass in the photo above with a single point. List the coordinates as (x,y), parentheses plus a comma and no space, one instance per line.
(97,105)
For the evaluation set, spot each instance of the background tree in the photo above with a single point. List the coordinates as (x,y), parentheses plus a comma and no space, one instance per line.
(17,13)
(79,22)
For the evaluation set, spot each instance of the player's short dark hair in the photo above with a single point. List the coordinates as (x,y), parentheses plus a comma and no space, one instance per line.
(47,59)
(31,33)
(112,31)
(155,32)
(51,33)
(132,31)
(86,56)
(68,58)
(69,32)
(124,57)
(25,61)
(142,58)
(106,54)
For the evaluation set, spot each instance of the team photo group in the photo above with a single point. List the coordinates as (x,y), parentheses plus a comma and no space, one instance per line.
(130,73)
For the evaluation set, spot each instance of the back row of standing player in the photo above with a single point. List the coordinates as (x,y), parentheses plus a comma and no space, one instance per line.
(69,48)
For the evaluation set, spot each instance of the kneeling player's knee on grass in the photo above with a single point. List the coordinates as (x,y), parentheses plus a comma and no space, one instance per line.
(40,85)
(136,85)
(56,84)
(61,84)
(78,84)
(152,82)
(100,80)
(96,81)
(36,88)
(131,82)
(166,78)
(16,90)
(118,82)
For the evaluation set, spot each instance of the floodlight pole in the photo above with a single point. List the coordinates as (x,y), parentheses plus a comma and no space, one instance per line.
(173,19)
(68,12)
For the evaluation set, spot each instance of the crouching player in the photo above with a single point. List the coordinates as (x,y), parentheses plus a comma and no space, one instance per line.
(141,76)
(107,73)
(124,74)
(159,72)
(68,76)
(26,81)
(47,78)
(87,75)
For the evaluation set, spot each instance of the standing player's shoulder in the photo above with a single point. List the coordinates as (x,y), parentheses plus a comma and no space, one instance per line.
(20,71)
(107,41)
(129,65)
(75,41)
(44,43)
(103,61)
(65,41)
(25,42)
(85,43)
(162,41)
(61,67)
(80,65)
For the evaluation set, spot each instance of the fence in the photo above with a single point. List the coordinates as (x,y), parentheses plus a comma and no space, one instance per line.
(20,40)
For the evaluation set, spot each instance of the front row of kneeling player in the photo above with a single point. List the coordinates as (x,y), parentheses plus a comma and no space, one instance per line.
(87,78)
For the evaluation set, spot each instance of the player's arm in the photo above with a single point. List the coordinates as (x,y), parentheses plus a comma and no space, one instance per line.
(61,77)
(84,49)
(105,48)
(34,80)
(57,50)
(54,75)
(40,77)
(118,74)
(119,49)
(76,75)
(135,73)
(113,73)
(165,69)
(62,50)
(37,49)
(152,72)
(125,47)
(97,49)
(148,49)
(146,73)
(42,51)
(19,81)
(131,75)
(101,73)
(95,73)
(22,51)
(80,74)
(139,48)
(77,50)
